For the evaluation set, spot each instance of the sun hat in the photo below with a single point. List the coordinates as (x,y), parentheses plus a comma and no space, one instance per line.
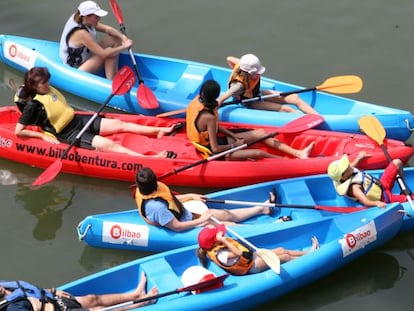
(251,64)
(91,7)
(338,167)
(207,236)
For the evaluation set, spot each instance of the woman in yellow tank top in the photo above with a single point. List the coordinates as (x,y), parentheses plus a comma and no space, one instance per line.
(46,107)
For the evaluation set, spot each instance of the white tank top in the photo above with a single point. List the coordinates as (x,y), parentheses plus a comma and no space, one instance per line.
(63,48)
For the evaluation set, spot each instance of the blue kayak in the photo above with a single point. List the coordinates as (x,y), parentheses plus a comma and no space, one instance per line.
(303,199)
(175,82)
(312,191)
(342,239)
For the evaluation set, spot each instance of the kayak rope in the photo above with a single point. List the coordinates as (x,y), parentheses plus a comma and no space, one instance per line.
(81,235)
(408,125)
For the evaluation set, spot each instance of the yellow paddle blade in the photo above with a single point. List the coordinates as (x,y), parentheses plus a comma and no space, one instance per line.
(347,84)
(270,258)
(372,127)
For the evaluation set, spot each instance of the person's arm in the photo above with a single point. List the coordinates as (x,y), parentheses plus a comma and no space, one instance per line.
(232,61)
(178,226)
(235,252)
(356,192)
(235,89)
(85,38)
(209,121)
(21,126)
(361,155)
(111,31)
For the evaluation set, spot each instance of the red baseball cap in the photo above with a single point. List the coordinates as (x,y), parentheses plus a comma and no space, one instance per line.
(207,236)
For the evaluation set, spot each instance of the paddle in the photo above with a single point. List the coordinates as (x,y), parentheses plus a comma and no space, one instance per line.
(198,287)
(339,84)
(270,258)
(373,128)
(145,97)
(336,209)
(298,125)
(122,83)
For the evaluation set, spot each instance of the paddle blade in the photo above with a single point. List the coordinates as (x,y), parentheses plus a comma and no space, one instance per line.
(206,285)
(301,124)
(195,206)
(270,259)
(146,97)
(49,174)
(123,81)
(347,84)
(373,128)
(117,11)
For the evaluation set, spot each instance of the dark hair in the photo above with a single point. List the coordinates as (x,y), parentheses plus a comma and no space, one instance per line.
(32,78)
(209,92)
(146,180)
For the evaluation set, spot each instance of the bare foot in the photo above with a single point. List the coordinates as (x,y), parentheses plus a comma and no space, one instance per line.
(305,152)
(153,291)
(140,292)
(165,131)
(165,154)
(268,210)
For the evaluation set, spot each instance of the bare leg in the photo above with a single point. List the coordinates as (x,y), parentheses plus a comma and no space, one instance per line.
(287,255)
(111,126)
(240,214)
(276,144)
(106,145)
(96,302)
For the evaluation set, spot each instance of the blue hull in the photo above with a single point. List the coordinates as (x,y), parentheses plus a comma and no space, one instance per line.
(313,190)
(342,239)
(176,82)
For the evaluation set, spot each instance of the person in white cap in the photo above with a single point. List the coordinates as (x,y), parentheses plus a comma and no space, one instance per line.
(244,83)
(79,47)
(360,186)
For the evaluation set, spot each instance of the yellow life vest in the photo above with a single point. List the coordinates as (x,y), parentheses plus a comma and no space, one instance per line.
(371,186)
(243,264)
(193,111)
(162,192)
(251,86)
(59,113)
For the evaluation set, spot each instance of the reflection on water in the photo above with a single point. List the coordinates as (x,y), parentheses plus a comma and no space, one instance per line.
(370,273)
(47,205)
(96,259)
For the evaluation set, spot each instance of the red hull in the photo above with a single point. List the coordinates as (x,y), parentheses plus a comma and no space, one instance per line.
(218,173)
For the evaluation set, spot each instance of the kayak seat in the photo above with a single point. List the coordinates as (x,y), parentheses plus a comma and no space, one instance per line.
(189,84)
(296,192)
(204,151)
(161,273)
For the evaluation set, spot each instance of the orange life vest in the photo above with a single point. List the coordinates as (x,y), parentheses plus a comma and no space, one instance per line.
(251,86)
(243,264)
(162,192)
(193,111)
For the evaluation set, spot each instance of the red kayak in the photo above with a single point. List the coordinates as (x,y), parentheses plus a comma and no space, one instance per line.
(190,168)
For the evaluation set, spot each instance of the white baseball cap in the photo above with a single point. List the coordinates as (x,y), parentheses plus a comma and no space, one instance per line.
(91,7)
(251,64)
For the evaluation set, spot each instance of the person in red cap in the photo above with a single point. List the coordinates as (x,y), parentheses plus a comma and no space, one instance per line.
(234,257)
(244,83)
(79,47)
